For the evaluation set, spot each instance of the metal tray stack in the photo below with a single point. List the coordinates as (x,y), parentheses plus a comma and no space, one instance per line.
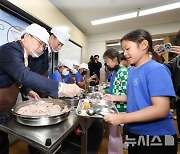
(104,107)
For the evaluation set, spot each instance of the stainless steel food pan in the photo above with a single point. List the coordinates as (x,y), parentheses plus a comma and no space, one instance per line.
(41,120)
(73,102)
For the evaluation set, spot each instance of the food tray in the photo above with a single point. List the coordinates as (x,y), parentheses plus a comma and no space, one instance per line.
(104,107)
(95,95)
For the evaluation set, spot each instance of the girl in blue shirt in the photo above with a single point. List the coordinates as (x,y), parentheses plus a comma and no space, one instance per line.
(149,88)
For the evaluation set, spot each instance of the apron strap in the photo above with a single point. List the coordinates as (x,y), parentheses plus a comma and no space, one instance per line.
(8,97)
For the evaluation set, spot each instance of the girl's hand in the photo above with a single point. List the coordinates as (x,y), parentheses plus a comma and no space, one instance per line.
(92,77)
(108,97)
(114,119)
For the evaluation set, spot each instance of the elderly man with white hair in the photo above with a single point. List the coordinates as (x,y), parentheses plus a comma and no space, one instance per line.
(14,73)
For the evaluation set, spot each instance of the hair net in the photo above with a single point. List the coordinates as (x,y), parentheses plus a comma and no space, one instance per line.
(83,65)
(65,62)
(61,34)
(38,31)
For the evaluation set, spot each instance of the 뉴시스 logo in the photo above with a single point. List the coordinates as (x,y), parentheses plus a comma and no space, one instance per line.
(150,141)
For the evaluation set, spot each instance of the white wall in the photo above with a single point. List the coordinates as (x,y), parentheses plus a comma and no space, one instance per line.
(96,48)
(97,45)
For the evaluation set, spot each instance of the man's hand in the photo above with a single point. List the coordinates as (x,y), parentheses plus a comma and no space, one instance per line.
(70,90)
(32,95)
(158,51)
(175,49)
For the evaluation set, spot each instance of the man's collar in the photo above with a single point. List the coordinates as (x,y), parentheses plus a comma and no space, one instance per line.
(49,49)
(25,54)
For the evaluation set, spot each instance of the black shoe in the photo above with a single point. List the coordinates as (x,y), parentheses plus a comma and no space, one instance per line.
(33,150)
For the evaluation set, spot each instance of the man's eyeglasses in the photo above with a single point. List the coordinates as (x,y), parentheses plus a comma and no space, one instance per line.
(40,42)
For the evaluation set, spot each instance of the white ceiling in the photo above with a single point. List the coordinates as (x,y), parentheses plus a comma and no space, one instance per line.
(82,12)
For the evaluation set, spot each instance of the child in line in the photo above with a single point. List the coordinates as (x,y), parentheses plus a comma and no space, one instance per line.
(117,87)
(62,74)
(124,61)
(149,88)
(80,76)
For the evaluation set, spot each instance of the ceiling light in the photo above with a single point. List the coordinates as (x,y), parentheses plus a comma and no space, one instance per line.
(115,18)
(160,39)
(159,9)
(113,44)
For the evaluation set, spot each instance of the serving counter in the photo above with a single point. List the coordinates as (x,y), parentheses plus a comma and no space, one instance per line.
(48,139)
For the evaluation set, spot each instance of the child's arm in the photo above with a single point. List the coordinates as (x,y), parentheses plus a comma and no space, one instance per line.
(159,109)
(119,98)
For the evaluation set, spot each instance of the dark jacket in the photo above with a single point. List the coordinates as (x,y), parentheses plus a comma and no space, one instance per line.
(174,67)
(12,69)
(94,68)
(97,68)
(40,64)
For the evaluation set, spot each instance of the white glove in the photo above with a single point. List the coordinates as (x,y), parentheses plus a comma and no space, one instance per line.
(69,90)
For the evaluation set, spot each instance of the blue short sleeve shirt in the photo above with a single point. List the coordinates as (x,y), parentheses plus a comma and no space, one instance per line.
(56,76)
(149,80)
(67,78)
(78,77)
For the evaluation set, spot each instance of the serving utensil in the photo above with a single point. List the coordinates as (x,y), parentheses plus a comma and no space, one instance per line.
(92,112)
